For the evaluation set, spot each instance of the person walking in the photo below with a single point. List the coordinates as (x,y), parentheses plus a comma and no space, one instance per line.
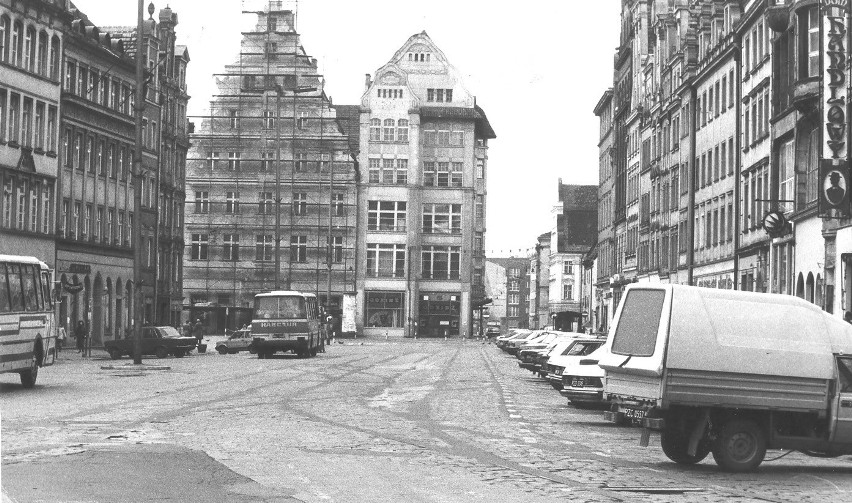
(60,339)
(198,331)
(80,335)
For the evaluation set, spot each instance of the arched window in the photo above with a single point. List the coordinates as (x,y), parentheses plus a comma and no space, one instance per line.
(54,58)
(818,295)
(41,55)
(17,44)
(30,49)
(388,132)
(5,25)
(402,130)
(800,286)
(375,129)
(809,288)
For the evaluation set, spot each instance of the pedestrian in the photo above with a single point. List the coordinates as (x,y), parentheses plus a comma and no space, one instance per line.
(198,331)
(60,339)
(80,335)
(187,329)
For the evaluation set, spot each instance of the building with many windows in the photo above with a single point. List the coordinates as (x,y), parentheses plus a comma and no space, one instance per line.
(421,219)
(740,112)
(31,38)
(270,182)
(539,284)
(509,286)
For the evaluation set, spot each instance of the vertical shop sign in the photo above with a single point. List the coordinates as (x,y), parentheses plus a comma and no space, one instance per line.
(834,166)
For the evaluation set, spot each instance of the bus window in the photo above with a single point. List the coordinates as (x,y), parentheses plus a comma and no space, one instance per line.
(45,288)
(279,308)
(16,295)
(29,284)
(4,290)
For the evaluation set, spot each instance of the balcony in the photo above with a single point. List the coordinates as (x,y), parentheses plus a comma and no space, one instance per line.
(804,94)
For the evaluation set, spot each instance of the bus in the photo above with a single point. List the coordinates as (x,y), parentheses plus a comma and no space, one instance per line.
(286,321)
(27,320)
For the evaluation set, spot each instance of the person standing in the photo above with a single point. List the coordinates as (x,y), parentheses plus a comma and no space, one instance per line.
(60,339)
(198,331)
(80,335)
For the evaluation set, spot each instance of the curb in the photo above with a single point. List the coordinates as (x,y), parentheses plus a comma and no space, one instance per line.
(130,367)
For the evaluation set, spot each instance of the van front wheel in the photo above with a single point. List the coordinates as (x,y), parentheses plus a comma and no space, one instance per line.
(740,446)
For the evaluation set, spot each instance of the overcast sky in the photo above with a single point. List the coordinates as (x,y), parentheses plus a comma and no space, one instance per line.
(536,67)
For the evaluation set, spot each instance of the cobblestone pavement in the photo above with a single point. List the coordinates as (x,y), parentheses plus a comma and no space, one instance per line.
(380,421)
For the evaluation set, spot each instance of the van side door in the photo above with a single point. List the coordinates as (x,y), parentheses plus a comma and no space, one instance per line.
(843,401)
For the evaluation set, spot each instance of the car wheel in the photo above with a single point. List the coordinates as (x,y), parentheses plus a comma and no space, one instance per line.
(161,352)
(29,376)
(179,353)
(740,446)
(222,350)
(114,353)
(675,444)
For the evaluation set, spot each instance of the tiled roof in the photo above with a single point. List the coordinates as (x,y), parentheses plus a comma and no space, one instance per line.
(483,127)
(579,196)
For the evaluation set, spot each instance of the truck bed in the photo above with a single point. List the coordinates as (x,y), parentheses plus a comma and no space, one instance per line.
(753,391)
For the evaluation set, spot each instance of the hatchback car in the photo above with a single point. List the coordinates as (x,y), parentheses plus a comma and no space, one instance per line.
(582,381)
(239,340)
(578,349)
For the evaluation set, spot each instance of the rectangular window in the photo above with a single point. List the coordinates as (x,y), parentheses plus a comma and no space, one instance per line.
(386,216)
(480,168)
(335,249)
(442,218)
(120,229)
(198,247)
(401,171)
(202,202)
(38,128)
(264,246)
(231,250)
(232,202)
(14,117)
(110,226)
(385,309)
(234,161)
(375,170)
(441,262)
(385,260)
(300,203)
(87,221)
(3,112)
(298,248)
(75,223)
(264,203)
(337,204)
(567,292)
(265,161)
(786,175)
(642,310)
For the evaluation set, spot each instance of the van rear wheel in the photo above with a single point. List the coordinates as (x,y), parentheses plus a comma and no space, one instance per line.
(29,376)
(675,444)
(740,446)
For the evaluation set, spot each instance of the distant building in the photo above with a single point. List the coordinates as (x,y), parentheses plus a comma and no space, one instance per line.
(539,284)
(421,220)
(270,183)
(515,289)
(574,232)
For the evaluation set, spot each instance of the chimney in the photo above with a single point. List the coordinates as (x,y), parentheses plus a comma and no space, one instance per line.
(367,81)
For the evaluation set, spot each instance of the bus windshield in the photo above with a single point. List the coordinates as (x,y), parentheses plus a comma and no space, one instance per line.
(287,308)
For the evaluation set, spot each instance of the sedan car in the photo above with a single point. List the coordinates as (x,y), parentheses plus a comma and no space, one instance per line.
(573,353)
(159,341)
(503,340)
(582,381)
(238,341)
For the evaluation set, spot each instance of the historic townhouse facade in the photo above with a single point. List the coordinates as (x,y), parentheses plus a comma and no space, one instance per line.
(606,215)
(31,39)
(743,139)
(421,220)
(539,284)
(270,183)
(507,284)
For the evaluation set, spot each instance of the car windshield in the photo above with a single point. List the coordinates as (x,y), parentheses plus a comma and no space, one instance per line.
(580,348)
(169,332)
(271,308)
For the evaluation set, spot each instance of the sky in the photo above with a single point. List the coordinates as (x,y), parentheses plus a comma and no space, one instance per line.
(537,69)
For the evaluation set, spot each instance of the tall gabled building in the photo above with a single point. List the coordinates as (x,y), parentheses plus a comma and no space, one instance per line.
(423,160)
(270,181)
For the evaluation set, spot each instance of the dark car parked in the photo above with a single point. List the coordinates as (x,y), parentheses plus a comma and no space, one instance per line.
(159,341)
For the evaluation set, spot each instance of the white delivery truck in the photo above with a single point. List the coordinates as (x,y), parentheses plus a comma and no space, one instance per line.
(729,372)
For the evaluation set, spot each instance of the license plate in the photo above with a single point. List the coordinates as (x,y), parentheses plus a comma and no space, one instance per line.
(634,413)
(558,371)
(578,383)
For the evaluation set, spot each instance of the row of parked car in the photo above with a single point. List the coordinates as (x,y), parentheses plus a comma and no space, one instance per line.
(567,360)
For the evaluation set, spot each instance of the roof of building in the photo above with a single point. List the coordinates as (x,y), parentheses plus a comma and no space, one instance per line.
(605,98)
(578,196)
(483,127)
(349,118)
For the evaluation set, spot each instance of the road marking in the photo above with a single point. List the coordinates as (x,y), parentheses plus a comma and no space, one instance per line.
(530,440)
(514,416)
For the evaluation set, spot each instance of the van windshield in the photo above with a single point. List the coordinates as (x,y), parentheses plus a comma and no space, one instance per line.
(636,333)
(272,308)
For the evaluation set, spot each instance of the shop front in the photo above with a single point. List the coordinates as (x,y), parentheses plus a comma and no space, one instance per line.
(440,314)
(384,313)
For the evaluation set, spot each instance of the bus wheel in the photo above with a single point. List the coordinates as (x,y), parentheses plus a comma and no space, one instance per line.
(29,376)
(313,351)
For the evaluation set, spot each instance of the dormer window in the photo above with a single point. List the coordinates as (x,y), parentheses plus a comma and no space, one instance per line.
(419,57)
(272,23)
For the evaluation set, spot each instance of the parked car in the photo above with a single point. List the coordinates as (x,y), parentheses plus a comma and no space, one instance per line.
(492,331)
(528,353)
(159,341)
(576,350)
(513,345)
(582,381)
(239,340)
(515,333)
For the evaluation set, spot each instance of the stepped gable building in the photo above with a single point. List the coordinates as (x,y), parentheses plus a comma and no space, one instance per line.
(31,39)
(422,197)
(270,182)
